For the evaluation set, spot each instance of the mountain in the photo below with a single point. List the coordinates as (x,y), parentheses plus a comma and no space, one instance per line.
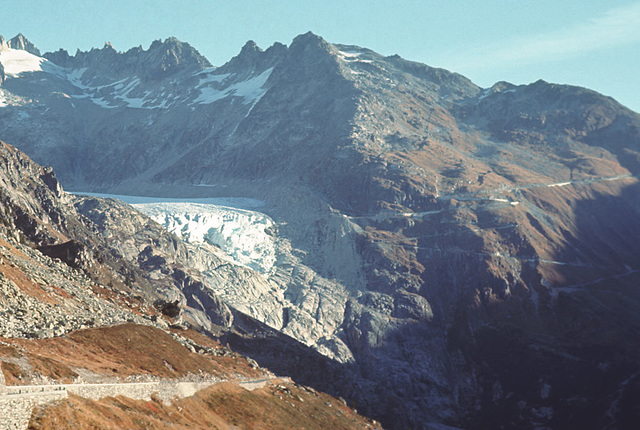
(467,255)
(98,311)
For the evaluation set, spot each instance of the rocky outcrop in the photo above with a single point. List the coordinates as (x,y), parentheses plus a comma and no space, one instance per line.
(202,298)
(107,241)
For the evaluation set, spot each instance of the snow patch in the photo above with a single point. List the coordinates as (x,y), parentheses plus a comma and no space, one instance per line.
(210,95)
(207,76)
(487,92)
(250,90)
(559,184)
(353,57)
(102,103)
(75,77)
(117,93)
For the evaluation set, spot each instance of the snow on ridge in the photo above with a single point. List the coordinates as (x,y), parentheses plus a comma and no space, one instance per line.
(352,57)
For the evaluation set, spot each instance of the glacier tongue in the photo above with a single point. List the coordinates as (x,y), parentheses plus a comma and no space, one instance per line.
(245,236)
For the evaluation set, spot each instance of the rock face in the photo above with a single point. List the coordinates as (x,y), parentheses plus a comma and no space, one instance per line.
(467,253)
(20,42)
(107,242)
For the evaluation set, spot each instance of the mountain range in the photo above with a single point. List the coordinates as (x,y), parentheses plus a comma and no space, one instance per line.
(443,254)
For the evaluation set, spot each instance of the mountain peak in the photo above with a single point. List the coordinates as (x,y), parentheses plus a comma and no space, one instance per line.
(309,39)
(170,55)
(250,46)
(22,43)
(252,59)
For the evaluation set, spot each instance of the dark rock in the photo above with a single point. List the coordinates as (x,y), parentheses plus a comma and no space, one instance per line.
(170,309)
(72,252)
(200,297)
(412,306)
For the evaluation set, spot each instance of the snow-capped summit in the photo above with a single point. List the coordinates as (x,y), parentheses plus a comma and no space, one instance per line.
(15,59)
(19,42)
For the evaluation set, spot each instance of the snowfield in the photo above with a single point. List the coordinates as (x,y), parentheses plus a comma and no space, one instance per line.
(16,61)
(246,236)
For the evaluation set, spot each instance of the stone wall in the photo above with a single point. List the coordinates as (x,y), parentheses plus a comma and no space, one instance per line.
(15,409)
(17,402)
(166,391)
(2,382)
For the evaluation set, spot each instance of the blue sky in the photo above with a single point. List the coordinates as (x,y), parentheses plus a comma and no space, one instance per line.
(591,43)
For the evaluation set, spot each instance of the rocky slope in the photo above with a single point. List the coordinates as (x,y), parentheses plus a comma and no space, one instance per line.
(470,254)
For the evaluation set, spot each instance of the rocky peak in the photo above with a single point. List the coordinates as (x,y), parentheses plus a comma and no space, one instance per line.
(309,40)
(3,44)
(310,47)
(22,43)
(253,60)
(172,54)
(61,57)
(310,55)
(249,48)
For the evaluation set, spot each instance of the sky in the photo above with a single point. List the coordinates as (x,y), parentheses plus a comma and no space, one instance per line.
(590,43)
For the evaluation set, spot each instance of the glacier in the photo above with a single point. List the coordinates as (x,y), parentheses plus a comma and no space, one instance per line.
(245,236)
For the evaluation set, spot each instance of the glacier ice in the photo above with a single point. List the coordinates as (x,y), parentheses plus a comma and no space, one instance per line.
(246,236)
